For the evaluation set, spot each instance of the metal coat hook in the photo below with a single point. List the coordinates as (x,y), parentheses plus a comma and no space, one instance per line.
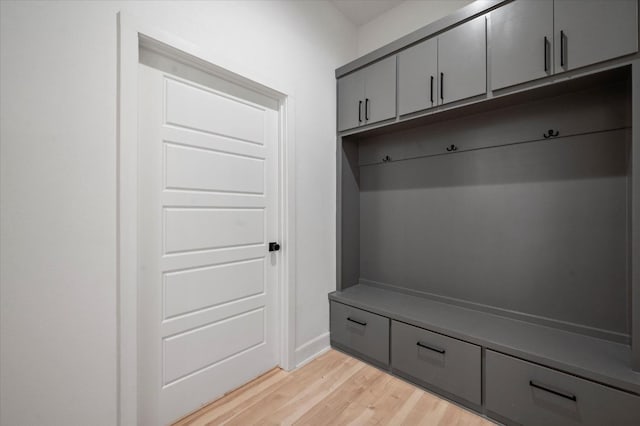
(551,134)
(452,148)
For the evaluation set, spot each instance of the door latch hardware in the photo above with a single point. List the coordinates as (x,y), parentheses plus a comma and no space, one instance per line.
(274,246)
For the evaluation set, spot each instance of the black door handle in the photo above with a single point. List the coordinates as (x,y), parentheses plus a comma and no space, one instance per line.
(362,323)
(562,38)
(431,348)
(359,111)
(546,59)
(431,90)
(553,391)
(274,246)
(442,86)
(366,109)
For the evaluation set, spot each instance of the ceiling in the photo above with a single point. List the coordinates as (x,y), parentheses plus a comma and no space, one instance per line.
(362,11)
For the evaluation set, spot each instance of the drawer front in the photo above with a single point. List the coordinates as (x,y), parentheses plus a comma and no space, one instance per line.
(360,331)
(529,394)
(448,364)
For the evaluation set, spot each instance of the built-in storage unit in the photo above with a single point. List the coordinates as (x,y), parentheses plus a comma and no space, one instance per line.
(534,39)
(443,69)
(588,32)
(368,96)
(488,242)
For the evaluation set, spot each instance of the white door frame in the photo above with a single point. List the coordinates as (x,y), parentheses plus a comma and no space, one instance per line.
(132,32)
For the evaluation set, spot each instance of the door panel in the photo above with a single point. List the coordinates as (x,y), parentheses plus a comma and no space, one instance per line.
(208,206)
(462,61)
(593,31)
(519,51)
(417,77)
(190,107)
(194,350)
(380,90)
(189,229)
(350,99)
(198,169)
(200,288)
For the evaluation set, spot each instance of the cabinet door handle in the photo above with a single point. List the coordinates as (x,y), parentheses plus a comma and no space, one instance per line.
(561,48)
(359,111)
(442,86)
(555,392)
(431,348)
(366,109)
(362,323)
(546,56)
(432,90)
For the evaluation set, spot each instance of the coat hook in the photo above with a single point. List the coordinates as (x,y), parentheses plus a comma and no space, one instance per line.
(452,148)
(551,134)
(386,159)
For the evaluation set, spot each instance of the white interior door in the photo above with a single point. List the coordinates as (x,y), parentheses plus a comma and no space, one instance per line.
(208,208)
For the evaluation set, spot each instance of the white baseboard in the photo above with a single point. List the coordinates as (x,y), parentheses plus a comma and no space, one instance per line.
(312,349)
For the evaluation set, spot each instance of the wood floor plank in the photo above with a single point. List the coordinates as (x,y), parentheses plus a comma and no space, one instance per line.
(334,389)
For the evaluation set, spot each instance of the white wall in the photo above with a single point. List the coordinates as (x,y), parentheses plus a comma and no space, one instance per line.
(407,17)
(58,180)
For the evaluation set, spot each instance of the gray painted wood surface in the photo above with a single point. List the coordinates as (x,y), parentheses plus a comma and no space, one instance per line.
(418,77)
(367,96)
(595,359)
(518,51)
(537,228)
(462,61)
(360,331)
(451,365)
(509,393)
(635,220)
(350,98)
(474,9)
(603,107)
(349,206)
(594,31)
(380,90)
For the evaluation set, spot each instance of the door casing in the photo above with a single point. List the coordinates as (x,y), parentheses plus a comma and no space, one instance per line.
(132,34)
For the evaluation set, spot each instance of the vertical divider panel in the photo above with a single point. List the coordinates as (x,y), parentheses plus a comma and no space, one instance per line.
(635,218)
(349,175)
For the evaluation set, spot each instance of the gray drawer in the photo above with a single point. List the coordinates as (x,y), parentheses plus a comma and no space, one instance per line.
(529,394)
(448,364)
(360,331)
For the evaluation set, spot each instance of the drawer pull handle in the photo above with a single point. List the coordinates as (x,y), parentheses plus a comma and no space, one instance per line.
(431,348)
(362,323)
(555,392)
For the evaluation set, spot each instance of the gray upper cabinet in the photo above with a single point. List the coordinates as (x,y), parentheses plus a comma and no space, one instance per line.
(350,100)
(417,77)
(587,32)
(380,91)
(462,61)
(521,42)
(367,96)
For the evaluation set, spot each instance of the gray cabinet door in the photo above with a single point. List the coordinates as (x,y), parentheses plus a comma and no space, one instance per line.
(417,77)
(350,101)
(521,40)
(380,90)
(462,61)
(587,32)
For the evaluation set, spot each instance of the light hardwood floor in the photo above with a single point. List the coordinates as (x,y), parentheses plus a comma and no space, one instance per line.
(334,389)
